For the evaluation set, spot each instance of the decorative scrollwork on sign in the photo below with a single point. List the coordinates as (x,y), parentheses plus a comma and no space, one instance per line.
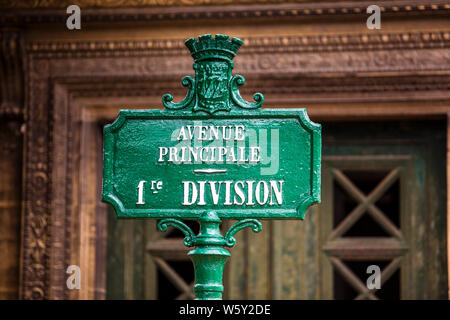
(230,241)
(214,88)
(189,234)
(168,98)
(239,80)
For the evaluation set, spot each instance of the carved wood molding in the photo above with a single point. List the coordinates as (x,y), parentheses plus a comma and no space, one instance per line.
(270,56)
(307,55)
(400,5)
(37,196)
(158,10)
(288,44)
(289,89)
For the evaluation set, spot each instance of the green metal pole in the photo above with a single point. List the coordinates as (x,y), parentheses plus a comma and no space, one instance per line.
(209,256)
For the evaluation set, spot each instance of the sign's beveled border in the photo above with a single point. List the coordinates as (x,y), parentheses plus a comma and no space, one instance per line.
(299,213)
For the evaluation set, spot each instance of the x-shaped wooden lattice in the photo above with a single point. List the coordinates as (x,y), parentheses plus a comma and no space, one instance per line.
(175,279)
(186,289)
(357,284)
(366,204)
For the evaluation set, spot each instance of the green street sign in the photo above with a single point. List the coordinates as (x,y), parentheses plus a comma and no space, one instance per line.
(254,164)
(210,157)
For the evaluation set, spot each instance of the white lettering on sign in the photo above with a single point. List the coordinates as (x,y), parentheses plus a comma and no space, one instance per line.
(230,134)
(210,133)
(233,192)
(140,188)
(155,186)
(209,154)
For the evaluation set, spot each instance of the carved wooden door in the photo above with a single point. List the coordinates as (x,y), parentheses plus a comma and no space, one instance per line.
(144,263)
(383,205)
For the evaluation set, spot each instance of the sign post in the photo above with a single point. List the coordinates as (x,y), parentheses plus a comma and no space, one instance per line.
(210,157)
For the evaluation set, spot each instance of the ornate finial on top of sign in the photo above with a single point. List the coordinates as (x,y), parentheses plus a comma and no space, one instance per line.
(214,88)
(209,48)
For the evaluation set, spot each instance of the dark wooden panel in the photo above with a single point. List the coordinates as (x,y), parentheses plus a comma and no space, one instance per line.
(130,274)
(422,245)
(10,209)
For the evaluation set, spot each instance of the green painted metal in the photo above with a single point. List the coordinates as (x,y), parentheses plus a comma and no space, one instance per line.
(209,256)
(214,88)
(210,157)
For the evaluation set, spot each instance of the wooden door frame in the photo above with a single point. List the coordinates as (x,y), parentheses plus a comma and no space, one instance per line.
(448,198)
(66,80)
